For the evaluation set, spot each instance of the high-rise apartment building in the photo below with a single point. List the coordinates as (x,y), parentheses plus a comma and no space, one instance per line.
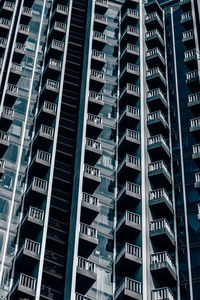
(99,149)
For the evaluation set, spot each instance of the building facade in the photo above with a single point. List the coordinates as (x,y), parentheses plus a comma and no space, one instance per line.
(99,145)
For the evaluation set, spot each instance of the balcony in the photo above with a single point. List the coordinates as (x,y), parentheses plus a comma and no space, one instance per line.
(93,151)
(91,178)
(97,80)
(4,26)
(158,147)
(162,294)
(129,118)
(96,102)
(190,59)
(163,268)
(43,138)
(153,20)
(20,51)
(58,30)
(15,72)
(188,39)
(195,127)
(46,113)
(50,89)
(156,99)
(94,126)
(2,165)
(130,17)
(196,154)
(129,95)
(162,235)
(129,196)
(37,189)
(99,40)
(88,240)
(131,33)
(27,12)
(160,203)
(101,6)
(60,12)
(40,163)
(4,142)
(129,167)
(128,226)
(25,286)
(192,79)
(7,118)
(90,208)
(157,123)
(154,57)
(3,43)
(154,39)
(130,72)
(197,181)
(185,5)
(130,53)
(34,218)
(194,103)
(186,20)
(8,6)
(156,78)
(11,94)
(98,59)
(100,22)
(129,141)
(23,33)
(55,49)
(129,289)
(86,275)
(53,69)
(128,259)
(28,253)
(159,174)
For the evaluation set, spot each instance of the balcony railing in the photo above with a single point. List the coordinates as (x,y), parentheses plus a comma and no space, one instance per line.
(101,18)
(162,294)
(102,2)
(95,119)
(192,75)
(152,15)
(157,139)
(20,47)
(93,144)
(44,156)
(55,63)
(50,106)
(5,22)
(58,44)
(157,165)
(92,171)
(95,96)
(155,71)
(132,68)
(36,213)
(129,284)
(196,149)
(160,225)
(16,67)
(98,54)
(155,92)
(133,160)
(12,88)
(8,5)
(62,8)
(89,199)
(47,130)
(88,230)
(97,74)
(153,33)
(129,249)
(2,164)
(27,282)
(99,35)
(4,136)
(194,98)
(162,258)
(188,34)
(156,115)
(59,25)
(186,16)
(23,28)
(32,246)
(197,177)
(86,265)
(159,193)
(27,10)
(81,297)
(195,122)
(8,112)
(52,84)
(40,184)
(130,217)
(3,42)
